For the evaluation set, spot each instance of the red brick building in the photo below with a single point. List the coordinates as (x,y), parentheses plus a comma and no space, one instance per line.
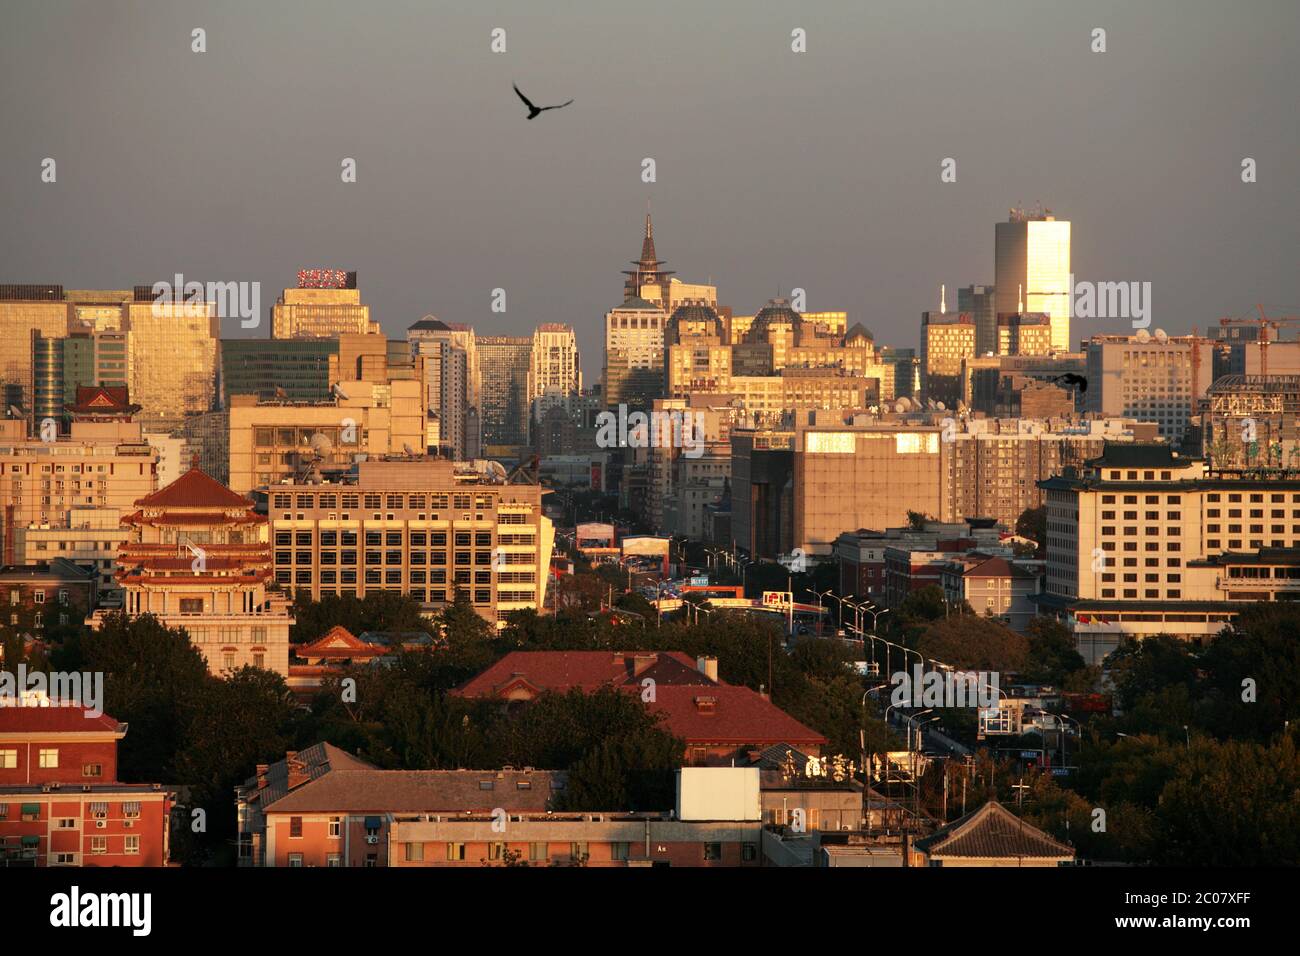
(60,801)
(719,722)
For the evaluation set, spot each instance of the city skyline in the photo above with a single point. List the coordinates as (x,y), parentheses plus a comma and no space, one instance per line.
(455,197)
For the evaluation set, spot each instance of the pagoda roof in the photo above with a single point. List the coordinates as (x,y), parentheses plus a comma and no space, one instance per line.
(194,489)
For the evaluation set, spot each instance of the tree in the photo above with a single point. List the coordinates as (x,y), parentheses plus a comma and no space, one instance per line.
(377,611)
(1032,524)
(153,675)
(1052,658)
(970,642)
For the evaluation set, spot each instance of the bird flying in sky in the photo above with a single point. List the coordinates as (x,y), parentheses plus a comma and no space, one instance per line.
(535,111)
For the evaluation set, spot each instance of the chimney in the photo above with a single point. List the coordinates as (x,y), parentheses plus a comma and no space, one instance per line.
(261,775)
(708,666)
(298,774)
(643,661)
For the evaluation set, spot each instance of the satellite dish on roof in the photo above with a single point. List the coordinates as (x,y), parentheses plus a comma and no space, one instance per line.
(901,405)
(939,407)
(1143,336)
(1161,336)
(321,444)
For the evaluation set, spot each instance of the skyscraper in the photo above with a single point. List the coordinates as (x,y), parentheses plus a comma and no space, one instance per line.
(554,368)
(1032,269)
(634,353)
(504,364)
(451,380)
(325,304)
(980,302)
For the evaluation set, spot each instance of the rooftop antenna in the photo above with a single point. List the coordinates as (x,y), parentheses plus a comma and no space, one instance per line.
(1021,307)
(943,298)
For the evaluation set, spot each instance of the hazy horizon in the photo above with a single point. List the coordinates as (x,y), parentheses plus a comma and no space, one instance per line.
(775,170)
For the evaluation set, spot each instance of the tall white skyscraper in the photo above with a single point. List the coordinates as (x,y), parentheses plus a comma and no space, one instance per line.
(1032,269)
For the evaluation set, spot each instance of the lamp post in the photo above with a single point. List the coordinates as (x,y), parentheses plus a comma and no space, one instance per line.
(867,759)
(843,601)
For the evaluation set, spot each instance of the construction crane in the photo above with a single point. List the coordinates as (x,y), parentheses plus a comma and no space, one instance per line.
(1265,323)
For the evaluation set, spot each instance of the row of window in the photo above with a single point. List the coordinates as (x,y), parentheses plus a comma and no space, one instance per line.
(370,501)
(48,759)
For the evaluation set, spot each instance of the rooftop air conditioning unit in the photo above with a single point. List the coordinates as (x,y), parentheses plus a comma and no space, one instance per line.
(373,838)
(101,824)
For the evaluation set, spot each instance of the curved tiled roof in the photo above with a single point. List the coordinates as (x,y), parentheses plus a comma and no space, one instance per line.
(194,489)
(992,832)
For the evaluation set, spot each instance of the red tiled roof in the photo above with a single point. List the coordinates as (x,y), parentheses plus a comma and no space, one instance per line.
(725,714)
(194,489)
(694,708)
(345,790)
(338,641)
(562,671)
(56,720)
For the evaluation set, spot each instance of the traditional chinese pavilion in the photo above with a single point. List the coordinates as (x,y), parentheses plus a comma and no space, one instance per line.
(199,558)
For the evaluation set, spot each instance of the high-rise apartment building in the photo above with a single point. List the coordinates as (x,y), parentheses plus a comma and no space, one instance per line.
(554,365)
(1032,269)
(425,528)
(452,384)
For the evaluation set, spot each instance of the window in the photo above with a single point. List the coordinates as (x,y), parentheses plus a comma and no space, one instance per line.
(295,860)
(336,828)
(749,852)
(8,759)
(455,851)
(92,770)
(99,845)
(713,851)
(295,827)
(132,847)
(415,853)
(131,809)
(48,758)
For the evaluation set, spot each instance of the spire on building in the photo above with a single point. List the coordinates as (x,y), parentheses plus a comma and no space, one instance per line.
(647,271)
(943,298)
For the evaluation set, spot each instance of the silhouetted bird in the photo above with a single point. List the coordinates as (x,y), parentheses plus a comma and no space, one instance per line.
(535,111)
(1072,378)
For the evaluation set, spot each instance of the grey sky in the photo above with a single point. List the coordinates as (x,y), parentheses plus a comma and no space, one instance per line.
(775,169)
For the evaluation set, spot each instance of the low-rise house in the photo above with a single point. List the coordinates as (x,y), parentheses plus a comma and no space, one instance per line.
(323,807)
(990,836)
(719,722)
